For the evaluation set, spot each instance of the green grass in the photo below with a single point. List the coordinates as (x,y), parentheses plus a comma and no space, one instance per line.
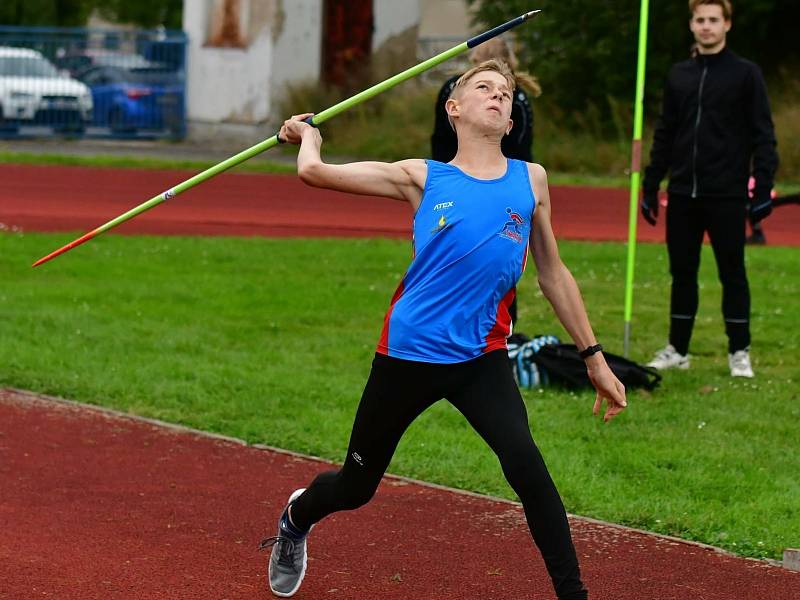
(132,162)
(270,341)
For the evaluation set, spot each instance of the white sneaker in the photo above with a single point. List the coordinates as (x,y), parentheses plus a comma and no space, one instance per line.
(739,362)
(668,358)
(289,558)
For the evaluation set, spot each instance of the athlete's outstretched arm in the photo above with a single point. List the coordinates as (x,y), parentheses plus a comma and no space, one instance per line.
(403,180)
(560,289)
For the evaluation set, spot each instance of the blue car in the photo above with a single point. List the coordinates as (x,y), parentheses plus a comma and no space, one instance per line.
(129,101)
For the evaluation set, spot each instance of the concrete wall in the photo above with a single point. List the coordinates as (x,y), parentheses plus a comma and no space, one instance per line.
(445,18)
(298,44)
(281,42)
(228,84)
(393,17)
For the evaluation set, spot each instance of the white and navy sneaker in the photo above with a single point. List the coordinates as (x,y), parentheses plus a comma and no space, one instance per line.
(668,358)
(739,363)
(289,558)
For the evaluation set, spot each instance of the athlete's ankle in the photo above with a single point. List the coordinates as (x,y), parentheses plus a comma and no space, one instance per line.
(289,526)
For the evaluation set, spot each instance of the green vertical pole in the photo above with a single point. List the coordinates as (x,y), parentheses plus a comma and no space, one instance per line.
(636,166)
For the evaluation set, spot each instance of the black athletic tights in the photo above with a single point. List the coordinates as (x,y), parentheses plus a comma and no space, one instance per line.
(484,391)
(687,221)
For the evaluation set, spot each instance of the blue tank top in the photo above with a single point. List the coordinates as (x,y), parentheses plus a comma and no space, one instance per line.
(470,249)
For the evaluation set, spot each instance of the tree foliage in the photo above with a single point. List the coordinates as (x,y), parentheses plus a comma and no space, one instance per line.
(56,13)
(145,13)
(584,52)
(75,13)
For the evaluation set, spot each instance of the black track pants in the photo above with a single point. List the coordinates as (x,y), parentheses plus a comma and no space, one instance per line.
(484,391)
(687,221)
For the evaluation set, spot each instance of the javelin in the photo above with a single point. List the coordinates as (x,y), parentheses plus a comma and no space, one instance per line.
(317,119)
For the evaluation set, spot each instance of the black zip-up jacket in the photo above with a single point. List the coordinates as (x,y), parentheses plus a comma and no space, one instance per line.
(517,144)
(715,123)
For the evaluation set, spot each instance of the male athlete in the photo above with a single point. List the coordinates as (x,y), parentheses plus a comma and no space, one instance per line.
(444,335)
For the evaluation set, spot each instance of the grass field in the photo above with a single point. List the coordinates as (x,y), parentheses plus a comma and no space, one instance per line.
(271,340)
(131,162)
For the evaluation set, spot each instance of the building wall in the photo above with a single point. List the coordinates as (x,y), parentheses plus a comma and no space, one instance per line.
(280,42)
(297,55)
(445,18)
(227,83)
(393,17)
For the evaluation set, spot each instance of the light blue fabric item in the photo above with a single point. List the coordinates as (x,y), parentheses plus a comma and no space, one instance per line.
(526,372)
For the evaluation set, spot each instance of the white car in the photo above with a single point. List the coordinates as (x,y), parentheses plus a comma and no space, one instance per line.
(32,91)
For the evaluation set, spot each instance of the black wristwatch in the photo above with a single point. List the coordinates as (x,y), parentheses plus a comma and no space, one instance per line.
(590,351)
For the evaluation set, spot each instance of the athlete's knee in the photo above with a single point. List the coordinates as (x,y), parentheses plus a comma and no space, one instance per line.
(362,487)
(325,481)
(526,472)
(358,497)
(355,489)
(525,480)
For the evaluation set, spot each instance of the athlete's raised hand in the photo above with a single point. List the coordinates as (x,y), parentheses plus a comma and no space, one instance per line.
(292,129)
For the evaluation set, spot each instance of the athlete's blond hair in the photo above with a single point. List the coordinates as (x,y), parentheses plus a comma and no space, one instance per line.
(492,64)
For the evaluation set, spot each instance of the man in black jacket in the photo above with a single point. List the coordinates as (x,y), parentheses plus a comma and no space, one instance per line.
(714,127)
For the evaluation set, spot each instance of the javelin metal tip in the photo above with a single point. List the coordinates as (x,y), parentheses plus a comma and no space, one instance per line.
(531,14)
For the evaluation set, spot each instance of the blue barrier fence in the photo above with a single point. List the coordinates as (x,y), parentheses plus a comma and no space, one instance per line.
(92,82)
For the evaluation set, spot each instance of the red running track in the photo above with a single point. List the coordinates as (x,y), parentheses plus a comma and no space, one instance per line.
(39,198)
(98,505)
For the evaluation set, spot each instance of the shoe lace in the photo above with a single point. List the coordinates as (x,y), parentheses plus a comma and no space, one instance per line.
(740,360)
(665,353)
(286,547)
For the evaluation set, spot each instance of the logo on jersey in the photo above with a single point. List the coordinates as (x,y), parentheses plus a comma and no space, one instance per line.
(443,205)
(357,457)
(512,229)
(440,224)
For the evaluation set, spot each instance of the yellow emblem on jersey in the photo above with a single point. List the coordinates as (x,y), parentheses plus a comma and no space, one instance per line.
(440,225)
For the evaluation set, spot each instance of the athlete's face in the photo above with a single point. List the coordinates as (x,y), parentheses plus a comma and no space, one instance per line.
(709,26)
(484,101)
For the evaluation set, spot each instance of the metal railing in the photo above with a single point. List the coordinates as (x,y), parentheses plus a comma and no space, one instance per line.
(92,82)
